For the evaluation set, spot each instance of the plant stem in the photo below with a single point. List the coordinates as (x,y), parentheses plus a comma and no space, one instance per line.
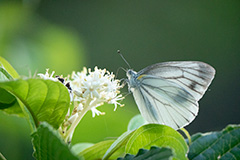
(75,123)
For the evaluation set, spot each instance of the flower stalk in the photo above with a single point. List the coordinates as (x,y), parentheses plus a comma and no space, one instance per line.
(70,131)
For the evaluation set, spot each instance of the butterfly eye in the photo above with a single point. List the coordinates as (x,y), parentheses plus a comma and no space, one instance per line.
(129,72)
(132,74)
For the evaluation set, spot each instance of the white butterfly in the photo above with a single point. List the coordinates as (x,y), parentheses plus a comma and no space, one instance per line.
(168,93)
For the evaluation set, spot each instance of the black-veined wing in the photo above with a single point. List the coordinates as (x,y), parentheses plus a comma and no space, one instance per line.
(193,76)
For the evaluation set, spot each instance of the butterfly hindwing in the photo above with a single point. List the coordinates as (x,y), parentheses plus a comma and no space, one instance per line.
(164,102)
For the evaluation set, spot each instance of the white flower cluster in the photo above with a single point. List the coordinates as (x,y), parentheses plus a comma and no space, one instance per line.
(90,89)
(94,88)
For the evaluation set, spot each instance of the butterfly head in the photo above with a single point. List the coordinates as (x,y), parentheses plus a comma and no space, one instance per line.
(131,74)
(132,79)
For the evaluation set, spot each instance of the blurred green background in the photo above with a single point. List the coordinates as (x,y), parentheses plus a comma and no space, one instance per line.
(67,35)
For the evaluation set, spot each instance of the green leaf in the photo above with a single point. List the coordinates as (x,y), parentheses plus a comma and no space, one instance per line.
(222,145)
(48,144)
(119,143)
(7,70)
(157,135)
(79,147)
(98,150)
(136,122)
(154,153)
(7,100)
(45,100)
(2,157)
(9,103)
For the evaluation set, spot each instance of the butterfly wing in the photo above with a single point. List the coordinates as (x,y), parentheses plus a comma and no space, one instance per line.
(193,76)
(164,102)
(169,92)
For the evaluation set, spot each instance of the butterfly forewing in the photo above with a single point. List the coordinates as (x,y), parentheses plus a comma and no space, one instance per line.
(193,76)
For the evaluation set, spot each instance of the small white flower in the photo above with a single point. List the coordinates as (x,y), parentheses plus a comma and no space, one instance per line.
(77,92)
(96,112)
(91,88)
(47,76)
(115,101)
(80,107)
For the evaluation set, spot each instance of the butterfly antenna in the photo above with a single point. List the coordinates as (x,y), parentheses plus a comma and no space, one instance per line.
(118,51)
(119,69)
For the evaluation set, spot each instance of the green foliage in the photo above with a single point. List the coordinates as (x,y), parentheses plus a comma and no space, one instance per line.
(7,100)
(7,70)
(119,143)
(98,150)
(222,145)
(29,41)
(49,145)
(143,137)
(153,153)
(45,100)
(2,157)
(157,135)
(122,140)
(135,122)
(147,136)
(79,147)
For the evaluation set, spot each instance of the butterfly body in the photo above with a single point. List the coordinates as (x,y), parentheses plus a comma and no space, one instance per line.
(168,93)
